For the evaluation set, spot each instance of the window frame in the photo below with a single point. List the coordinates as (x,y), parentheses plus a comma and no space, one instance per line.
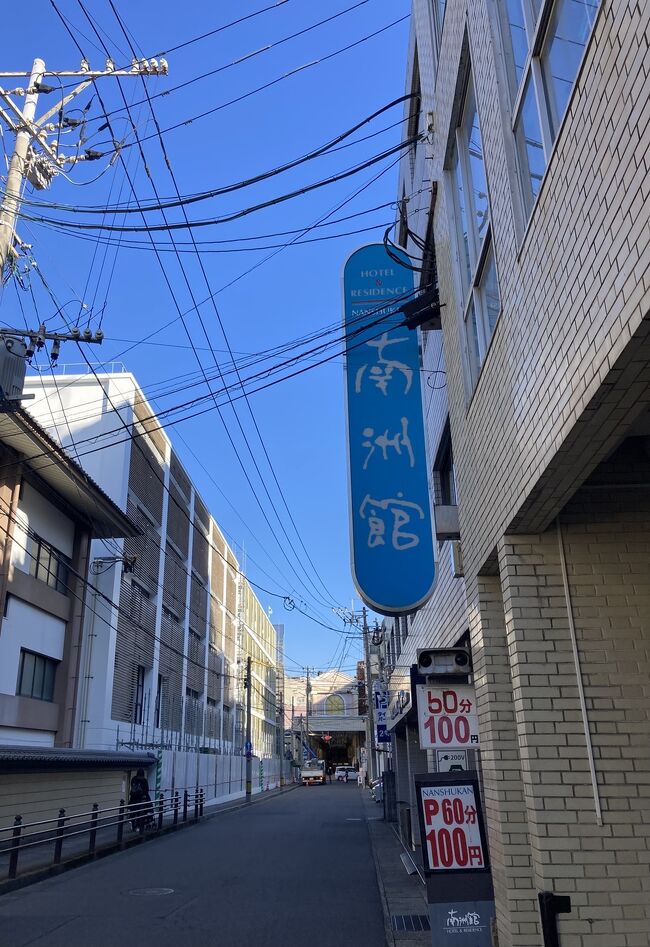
(414,106)
(444,474)
(439,18)
(48,564)
(138,694)
(537,26)
(41,664)
(472,256)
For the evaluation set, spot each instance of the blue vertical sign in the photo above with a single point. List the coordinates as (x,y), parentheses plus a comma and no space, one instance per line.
(393,563)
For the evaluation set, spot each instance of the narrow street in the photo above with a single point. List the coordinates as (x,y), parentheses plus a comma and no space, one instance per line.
(294,870)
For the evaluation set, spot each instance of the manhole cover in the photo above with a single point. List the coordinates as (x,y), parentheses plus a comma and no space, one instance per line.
(151,892)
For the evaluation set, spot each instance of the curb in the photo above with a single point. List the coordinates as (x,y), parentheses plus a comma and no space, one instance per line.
(388,927)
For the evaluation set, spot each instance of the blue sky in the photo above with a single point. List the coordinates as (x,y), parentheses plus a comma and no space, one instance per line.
(295,293)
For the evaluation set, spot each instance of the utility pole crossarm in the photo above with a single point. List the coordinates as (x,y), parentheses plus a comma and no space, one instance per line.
(29,161)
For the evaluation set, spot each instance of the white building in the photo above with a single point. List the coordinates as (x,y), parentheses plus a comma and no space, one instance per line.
(167,638)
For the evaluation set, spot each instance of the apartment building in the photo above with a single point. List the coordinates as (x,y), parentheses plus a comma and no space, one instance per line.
(50,510)
(166,642)
(529,193)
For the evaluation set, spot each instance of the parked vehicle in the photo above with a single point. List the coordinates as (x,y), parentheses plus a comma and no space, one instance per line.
(340,771)
(313,772)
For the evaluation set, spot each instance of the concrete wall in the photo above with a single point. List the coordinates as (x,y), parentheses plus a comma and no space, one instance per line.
(221,776)
(39,796)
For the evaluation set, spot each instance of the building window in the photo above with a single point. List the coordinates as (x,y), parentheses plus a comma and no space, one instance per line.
(139,694)
(36,675)
(48,564)
(415,111)
(472,205)
(444,482)
(481,297)
(544,48)
(439,7)
(159,697)
(335,705)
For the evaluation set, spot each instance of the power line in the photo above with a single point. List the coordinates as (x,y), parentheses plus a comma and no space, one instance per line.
(174,298)
(399,149)
(207,397)
(167,204)
(250,410)
(273,82)
(246,57)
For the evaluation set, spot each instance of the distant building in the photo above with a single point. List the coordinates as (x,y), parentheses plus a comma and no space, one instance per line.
(336,729)
(164,665)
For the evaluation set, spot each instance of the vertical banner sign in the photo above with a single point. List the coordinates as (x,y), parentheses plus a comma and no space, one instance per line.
(447,717)
(452,828)
(380,693)
(455,860)
(392,546)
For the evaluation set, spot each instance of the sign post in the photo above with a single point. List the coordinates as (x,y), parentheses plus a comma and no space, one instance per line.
(392,547)
(455,857)
(380,694)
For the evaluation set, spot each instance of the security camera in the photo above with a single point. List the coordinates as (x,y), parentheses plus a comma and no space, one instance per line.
(444,661)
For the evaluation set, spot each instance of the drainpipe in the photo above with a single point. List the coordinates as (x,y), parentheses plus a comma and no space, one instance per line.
(576,659)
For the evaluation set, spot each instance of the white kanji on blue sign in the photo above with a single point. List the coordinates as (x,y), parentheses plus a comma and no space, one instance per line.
(393,562)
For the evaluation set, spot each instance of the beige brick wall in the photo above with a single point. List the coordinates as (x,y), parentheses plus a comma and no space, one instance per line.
(503,789)
(604,868)
(567,374)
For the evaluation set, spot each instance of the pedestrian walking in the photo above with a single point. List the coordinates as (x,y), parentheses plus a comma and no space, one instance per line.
(330,771)
(345,776)
(140,807)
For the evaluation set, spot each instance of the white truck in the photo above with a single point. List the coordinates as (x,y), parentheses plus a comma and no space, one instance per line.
(312,771)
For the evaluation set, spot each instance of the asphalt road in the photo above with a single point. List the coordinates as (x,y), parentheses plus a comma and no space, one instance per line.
(296,869)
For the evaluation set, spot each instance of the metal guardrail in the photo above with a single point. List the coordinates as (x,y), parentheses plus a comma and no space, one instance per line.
(15,840)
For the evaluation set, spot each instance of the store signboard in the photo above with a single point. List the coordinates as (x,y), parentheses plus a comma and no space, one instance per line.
(380,694)
(455,859)
(452,837)
(447,717)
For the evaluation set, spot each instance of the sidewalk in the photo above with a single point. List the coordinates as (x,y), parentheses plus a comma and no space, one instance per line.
(406,913)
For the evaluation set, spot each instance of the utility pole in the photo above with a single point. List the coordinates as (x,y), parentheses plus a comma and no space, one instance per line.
(33,157)
(249,746)
(18,163)
(370,716)
(280,719)
(302,741)
(307,714)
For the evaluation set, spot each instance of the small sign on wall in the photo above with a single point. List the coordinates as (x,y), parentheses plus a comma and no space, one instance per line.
(447,717)
(451,761)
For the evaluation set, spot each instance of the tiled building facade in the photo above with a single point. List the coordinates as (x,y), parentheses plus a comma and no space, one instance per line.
(532,184)
(164,665)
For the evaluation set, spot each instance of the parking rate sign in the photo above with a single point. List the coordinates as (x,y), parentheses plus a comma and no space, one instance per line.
(451,828)
(447,717)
